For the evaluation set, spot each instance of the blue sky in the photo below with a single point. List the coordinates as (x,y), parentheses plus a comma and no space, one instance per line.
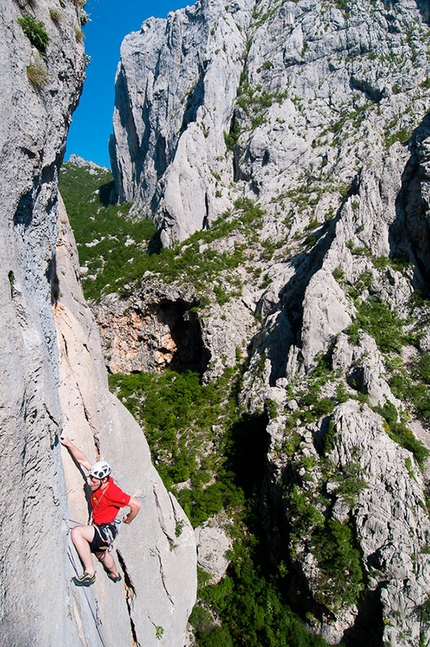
(110,22)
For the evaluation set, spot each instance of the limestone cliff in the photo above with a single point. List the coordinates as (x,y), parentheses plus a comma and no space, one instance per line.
(159,547)
(295,137)
(42,68)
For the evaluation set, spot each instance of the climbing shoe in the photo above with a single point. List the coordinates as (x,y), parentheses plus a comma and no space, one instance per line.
(114,578)
(85,579)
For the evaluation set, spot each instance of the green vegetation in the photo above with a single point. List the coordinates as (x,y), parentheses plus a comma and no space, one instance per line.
(255,101)
(402,135)
(232,137)
(178,415)
(183,422)
(341,581)
(11,277)
(349,479)
(375,318)
(55,14)
(339,578)
(251,606)
(391,332)
(35,32)
(159,632)
(113,249)
(412,386)
(79,34)
(414,389)
(118,251)
(344,7)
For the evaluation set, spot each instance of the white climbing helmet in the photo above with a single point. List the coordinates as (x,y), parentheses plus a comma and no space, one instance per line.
(100,470)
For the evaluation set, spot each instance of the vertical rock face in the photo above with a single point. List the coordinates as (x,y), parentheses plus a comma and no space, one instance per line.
(33,126)
(157,553)
(175,91)
(304,88)
(48,386)
(322,117)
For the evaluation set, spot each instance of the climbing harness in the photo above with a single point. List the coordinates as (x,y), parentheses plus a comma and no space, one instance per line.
(108,532)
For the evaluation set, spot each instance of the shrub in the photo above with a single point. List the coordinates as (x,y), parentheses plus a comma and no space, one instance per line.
(56,14)
(178,414)
(84,17)
(328,438)
(406,438)
(340,561)
(413,387)
(231,138)
(338,273)
(114,264)
(350,483)
(37,75)
(79,34)
(35,32)
(401,434)
(251,607)
(375,318)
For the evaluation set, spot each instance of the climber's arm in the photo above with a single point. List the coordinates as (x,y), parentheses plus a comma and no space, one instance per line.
(134,506)
(76,453)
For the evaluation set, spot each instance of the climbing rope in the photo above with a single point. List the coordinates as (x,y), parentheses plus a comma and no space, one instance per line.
(94,612)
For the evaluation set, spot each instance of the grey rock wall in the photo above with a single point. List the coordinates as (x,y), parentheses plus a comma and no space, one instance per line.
(33,128)
(308,90)
(53,378)
(175,90)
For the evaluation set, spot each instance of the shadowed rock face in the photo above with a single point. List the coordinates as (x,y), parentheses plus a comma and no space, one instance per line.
(53,379)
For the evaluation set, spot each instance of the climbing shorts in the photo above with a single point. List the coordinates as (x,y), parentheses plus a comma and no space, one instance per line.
(104,536)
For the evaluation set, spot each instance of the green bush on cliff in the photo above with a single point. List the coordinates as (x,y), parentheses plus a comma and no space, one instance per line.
(341,579)
(35,32)
(401,434)
(375,318)
(112,248)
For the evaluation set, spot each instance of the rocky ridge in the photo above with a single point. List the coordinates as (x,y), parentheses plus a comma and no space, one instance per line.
(45,389)
(321,137)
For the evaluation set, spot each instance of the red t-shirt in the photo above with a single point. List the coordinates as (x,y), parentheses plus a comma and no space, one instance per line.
(106,503)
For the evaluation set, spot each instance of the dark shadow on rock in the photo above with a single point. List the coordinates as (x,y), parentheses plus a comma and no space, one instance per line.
(409,234)
(52,278)
(368,628)
(424,9)
(194,101)
(247,458)
(24,211)
(184,327)
(155,245)
(105,193)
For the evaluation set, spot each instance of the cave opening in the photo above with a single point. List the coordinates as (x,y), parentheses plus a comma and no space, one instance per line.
(188,352)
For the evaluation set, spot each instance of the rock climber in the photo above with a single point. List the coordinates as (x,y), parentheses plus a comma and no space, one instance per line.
(106,500)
